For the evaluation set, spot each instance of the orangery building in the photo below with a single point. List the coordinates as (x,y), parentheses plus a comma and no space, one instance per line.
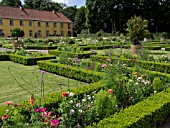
(34,22)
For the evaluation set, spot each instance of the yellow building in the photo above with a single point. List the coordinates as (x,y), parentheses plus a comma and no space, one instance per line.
(42,23)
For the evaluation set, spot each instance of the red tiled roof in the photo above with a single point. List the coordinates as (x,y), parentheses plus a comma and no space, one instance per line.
(30,14)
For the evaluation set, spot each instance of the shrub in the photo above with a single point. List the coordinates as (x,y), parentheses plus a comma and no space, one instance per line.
(17,32)
(137,29)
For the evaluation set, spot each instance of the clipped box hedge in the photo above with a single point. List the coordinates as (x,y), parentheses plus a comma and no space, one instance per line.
(148,65)
(72,54)
(29,60)
(146,114)
(41,47)
(70,71)
(4,57)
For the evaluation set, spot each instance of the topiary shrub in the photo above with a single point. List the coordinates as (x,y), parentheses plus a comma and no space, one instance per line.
(17,32)
(137,29)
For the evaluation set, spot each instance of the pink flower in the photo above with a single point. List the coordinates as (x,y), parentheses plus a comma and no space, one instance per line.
(8,103)
(16,105)
(37,110)
(54,122)
(108,59)
(42,109)
(110,91)
(72,111)
(44,114)
(4,117)
(103,65)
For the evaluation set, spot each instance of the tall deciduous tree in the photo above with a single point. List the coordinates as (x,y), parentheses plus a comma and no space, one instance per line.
(14,3)
(79,20)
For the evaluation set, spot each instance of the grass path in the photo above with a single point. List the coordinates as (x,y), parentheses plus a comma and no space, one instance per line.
(29,79)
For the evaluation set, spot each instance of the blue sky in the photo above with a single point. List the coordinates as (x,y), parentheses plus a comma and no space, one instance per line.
(78,3)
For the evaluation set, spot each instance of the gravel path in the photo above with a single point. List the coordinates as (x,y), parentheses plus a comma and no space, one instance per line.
(33,50)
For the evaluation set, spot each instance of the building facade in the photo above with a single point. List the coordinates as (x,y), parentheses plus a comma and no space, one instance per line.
(34,22)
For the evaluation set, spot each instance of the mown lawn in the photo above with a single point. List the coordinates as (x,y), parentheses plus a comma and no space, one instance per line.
(28,79)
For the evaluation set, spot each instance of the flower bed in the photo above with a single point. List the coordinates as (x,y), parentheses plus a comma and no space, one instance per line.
(154,66)
(145,114)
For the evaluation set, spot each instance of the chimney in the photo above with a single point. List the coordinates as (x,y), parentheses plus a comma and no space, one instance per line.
(53,11)
(20,8)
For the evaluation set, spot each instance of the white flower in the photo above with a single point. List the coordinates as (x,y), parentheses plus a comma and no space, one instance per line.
(163,49)
(71,94)
(155,91)
(71,102)
(93,97)
(136,83)
(130,80)
(92,102)
(89,97)
(145,82)
(83,100)
(80,110)
(139,78)
(116,106)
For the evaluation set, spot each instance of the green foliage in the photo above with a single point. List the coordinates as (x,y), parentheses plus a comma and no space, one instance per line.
(147,65)
(137,29)
(17,32)
(104,104)
(145,114)
(28,60)
(69,71)
(164,35)
(72,54)
(35,35)
(157,84)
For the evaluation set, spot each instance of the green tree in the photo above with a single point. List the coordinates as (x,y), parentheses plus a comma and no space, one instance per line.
(17,32)
(79,20)
(70,12)
(14,3)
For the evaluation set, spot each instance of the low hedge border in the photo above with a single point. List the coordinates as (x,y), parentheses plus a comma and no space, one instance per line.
(114,45)
(41,47)
(146,114)
(70,71)
(28,60)
(72,54)
(147,65)
(4,57)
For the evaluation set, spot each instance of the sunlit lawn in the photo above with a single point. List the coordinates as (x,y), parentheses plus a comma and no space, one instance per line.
(29,80)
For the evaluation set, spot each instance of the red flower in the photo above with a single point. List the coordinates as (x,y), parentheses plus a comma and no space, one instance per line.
(4,117)
(65,94)
(8,103)
(110,91)
(133,60)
